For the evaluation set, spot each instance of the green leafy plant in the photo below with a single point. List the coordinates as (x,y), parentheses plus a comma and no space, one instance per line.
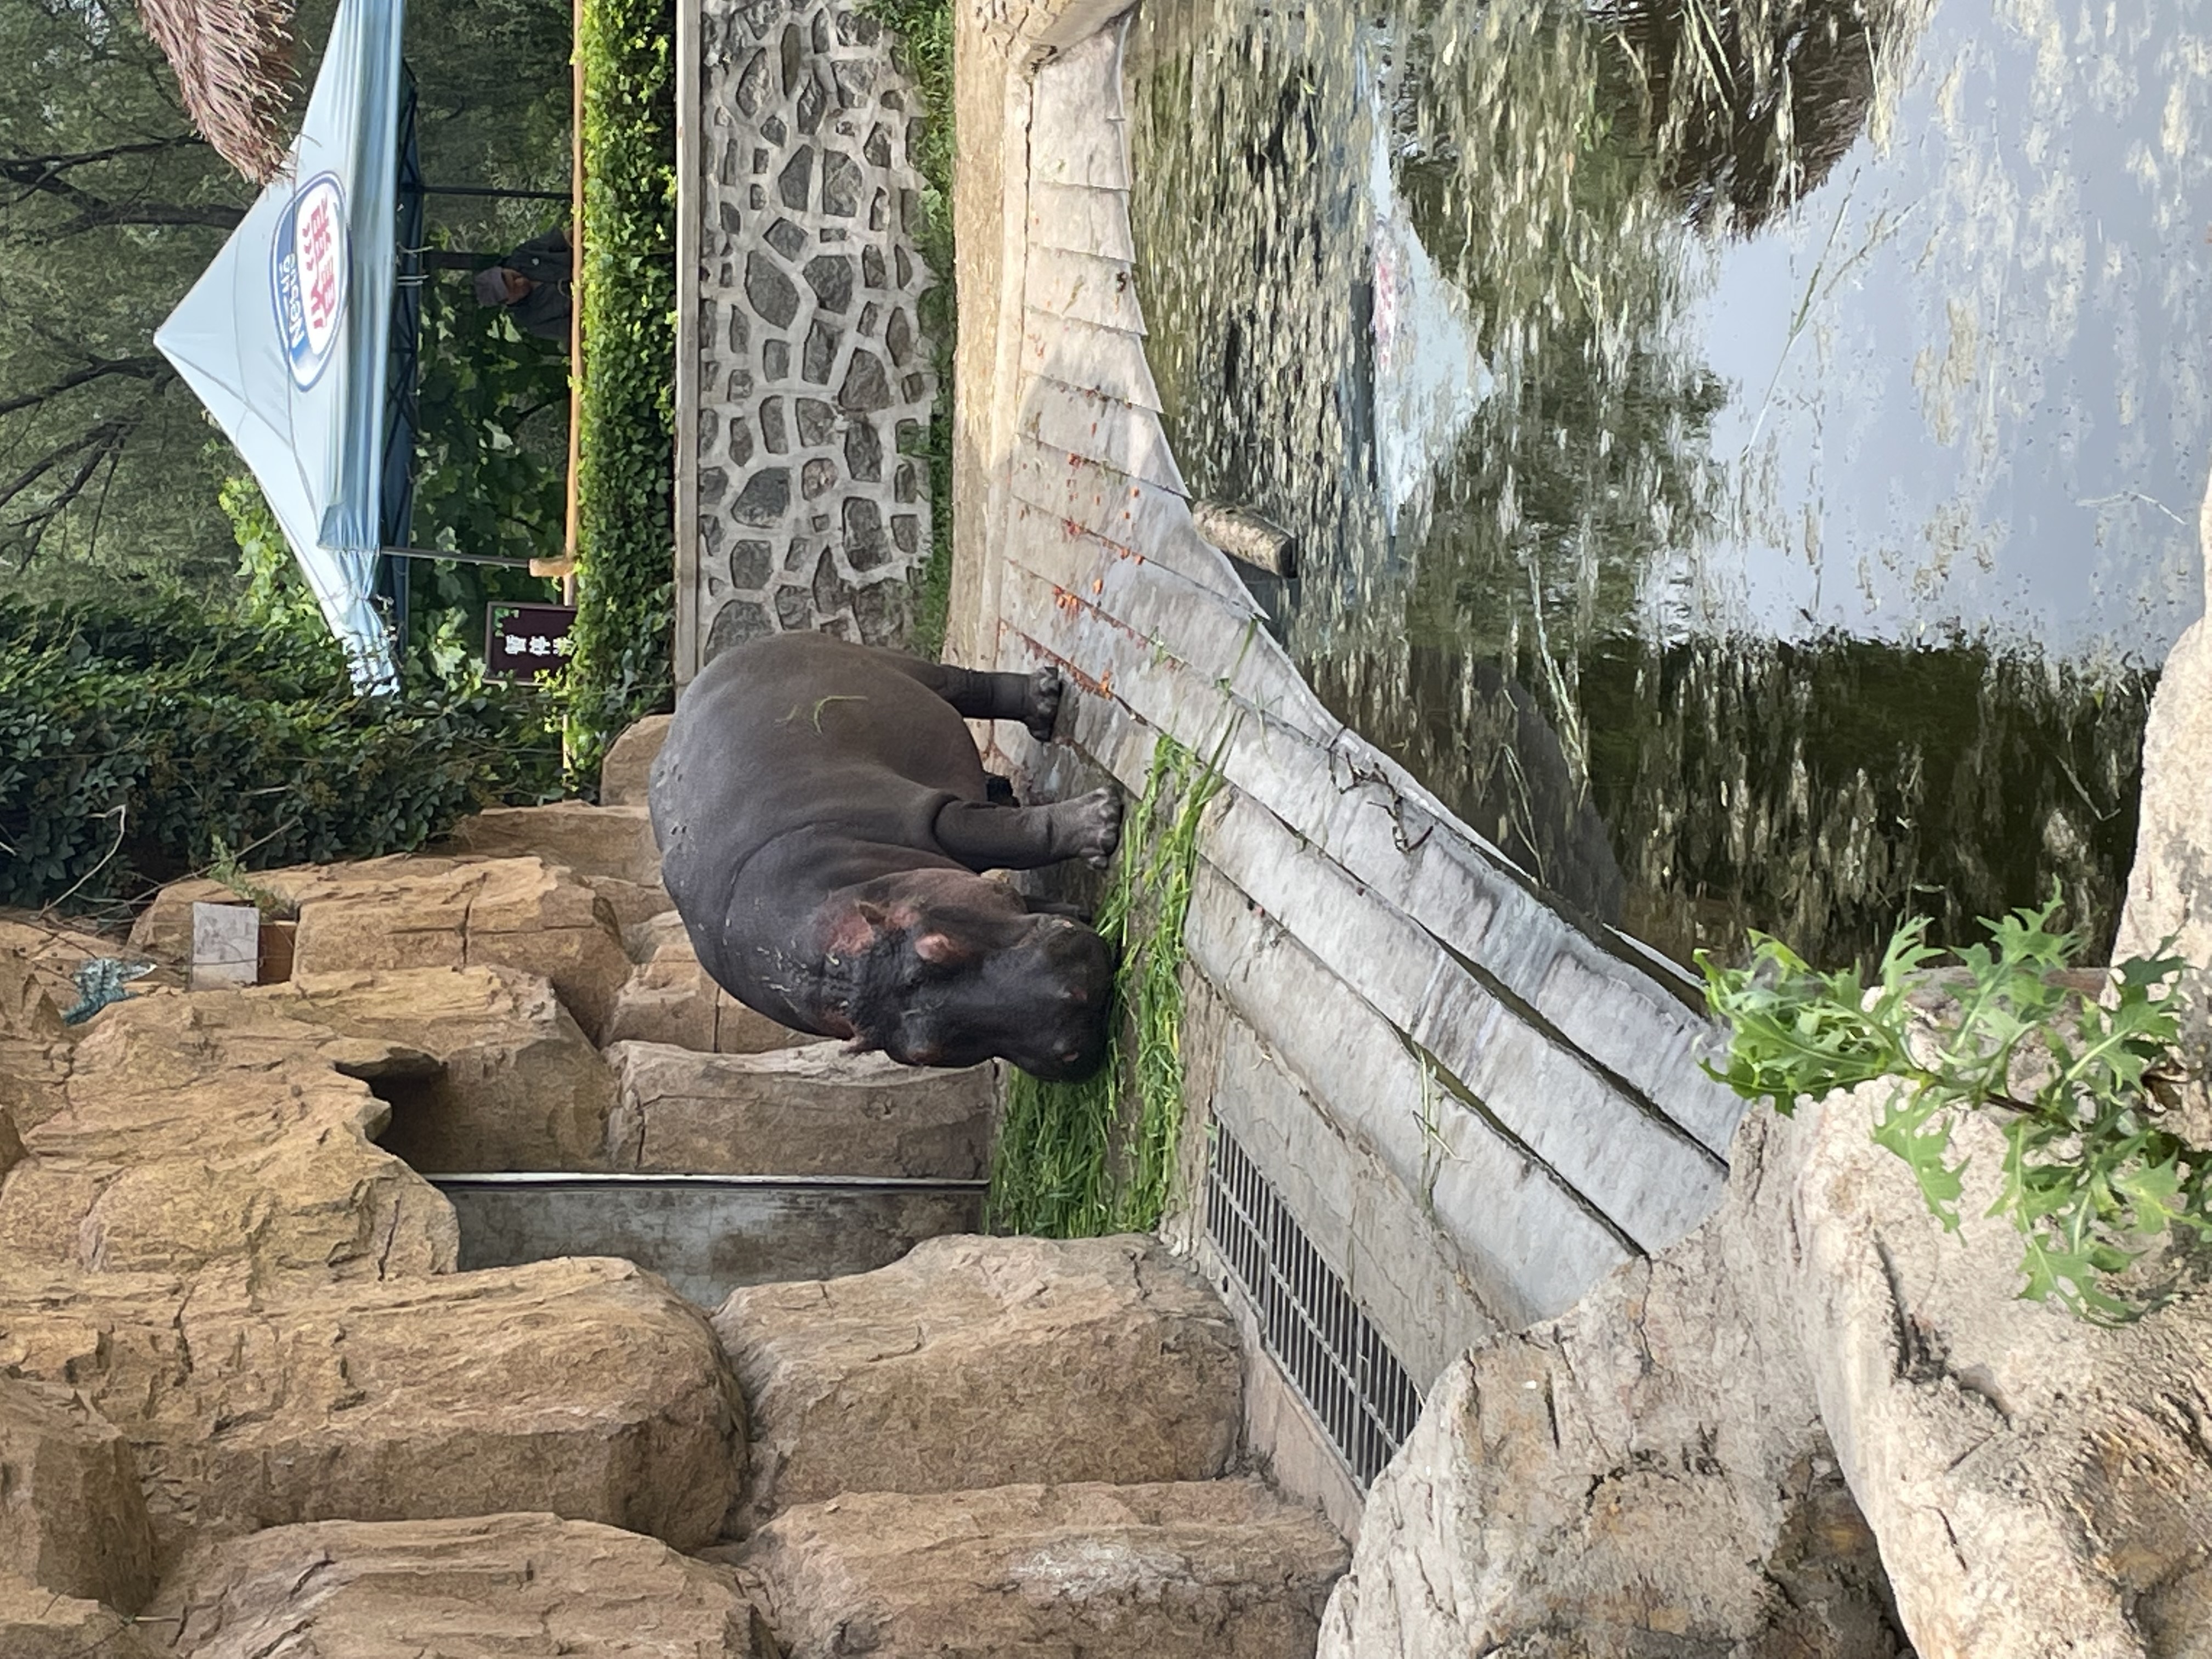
(2078,1085)
(143,743)
(1075,1160)
(619,669)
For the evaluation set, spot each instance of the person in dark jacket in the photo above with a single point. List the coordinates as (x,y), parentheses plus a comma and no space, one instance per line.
(534,283)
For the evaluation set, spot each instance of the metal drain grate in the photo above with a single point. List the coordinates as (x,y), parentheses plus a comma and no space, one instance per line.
(1355,1387)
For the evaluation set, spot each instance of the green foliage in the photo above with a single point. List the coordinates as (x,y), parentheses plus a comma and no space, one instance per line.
(924,29)
(139,743)
(2092,1179)
(493,419)
(1075,1160)
(625,577)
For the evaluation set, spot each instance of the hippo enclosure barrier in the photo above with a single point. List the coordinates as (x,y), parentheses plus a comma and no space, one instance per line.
(1425,1104)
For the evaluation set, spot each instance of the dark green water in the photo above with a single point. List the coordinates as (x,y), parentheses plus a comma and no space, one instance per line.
(1745,458)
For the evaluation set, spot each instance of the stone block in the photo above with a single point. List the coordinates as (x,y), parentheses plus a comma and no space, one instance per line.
(592,841)
(810,1110)
(206,1128)
(430,912)
(581,1387)
(36,1623)
(670,997)
(976,1362)
(490,1587)
(72,1515)
(515,1083)
(1204,1570)
(628,769)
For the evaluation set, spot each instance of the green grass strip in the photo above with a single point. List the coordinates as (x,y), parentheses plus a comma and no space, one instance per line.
(626,286)
(1075,1160)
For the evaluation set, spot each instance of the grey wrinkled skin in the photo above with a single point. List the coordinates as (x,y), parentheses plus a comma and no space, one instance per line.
(823,822)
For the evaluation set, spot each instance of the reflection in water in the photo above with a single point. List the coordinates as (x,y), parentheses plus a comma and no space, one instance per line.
(1695,490)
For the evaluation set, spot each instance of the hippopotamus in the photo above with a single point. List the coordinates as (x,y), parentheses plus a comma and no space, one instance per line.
(823,821)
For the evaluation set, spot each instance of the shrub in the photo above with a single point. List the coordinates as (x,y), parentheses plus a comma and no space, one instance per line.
(626,286)
(139,743)
(2078,1085)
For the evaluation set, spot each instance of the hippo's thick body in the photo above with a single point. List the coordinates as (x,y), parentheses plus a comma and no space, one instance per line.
(823,818)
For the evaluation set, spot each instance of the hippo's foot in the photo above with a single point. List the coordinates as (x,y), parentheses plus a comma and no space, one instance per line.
(1040,712)
(1089,827)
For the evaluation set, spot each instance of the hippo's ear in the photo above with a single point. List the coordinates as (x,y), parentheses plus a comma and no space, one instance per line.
(942,950)
(853,933)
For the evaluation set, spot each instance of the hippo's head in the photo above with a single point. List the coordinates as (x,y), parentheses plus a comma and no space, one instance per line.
(942,967)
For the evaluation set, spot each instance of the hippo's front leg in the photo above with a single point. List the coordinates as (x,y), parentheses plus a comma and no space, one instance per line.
(985,837)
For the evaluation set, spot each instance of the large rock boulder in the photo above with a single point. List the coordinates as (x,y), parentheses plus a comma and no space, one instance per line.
(979,1362)
(416,912)
(611,848)
(34,1047)
(1207,1569)
(515,1084)
(72,1518)
(36,1623)
(490,1587)
(584,1388)
(592,841)
(670,997)
(815,1110)
(1699,1458)
(627,772)
(213,1127)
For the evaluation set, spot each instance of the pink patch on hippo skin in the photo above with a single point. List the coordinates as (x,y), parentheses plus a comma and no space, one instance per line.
(942,950)
(854,931)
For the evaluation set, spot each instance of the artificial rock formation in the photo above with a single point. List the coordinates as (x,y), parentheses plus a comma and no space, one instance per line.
(513,1083)
(976,1362)
(815,1110)
(413,912)
(1699,1458)
(37,1623)
(626,774)
(581,1387)
(1202,1569)
(610,847)
(193,1129)
(668,998)
(72,1518)
(489,1587)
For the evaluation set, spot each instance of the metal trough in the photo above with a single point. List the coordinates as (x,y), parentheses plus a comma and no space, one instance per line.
(707,1234)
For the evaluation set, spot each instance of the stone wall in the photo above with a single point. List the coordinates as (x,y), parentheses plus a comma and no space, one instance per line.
(804,376)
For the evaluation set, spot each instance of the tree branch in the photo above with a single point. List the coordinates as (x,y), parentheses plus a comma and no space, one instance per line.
(151,369)
(103,443)
(42,175)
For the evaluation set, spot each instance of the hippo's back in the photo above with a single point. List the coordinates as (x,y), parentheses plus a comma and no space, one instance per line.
(802,734)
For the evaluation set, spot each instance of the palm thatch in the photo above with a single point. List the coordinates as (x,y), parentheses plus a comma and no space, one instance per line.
(237,65)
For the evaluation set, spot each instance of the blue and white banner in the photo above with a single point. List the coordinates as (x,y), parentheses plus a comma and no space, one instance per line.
(286,337)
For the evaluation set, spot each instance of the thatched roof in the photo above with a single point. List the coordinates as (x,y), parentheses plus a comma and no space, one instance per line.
(237,65)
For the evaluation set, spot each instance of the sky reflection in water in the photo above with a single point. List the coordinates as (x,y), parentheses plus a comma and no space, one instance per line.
(1757,495)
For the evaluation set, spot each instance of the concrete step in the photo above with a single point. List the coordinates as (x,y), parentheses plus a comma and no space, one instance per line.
(1191,1569)
(977,1361)
(811,1111)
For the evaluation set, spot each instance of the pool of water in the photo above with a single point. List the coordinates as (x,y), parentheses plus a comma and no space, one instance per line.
(1745,458)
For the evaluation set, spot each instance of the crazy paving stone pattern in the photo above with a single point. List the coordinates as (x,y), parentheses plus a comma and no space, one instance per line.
(815,377)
